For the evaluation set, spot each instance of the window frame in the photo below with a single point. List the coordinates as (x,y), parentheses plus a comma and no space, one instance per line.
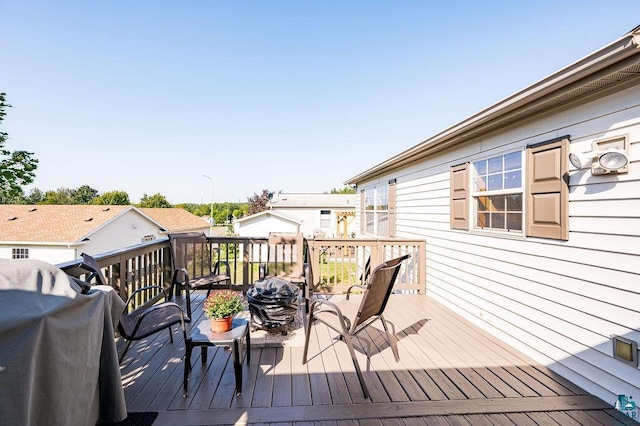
(475,194)
(20,253)
(325,215)
(376,210)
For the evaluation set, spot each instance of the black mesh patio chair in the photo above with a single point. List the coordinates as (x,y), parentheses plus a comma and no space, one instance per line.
(349,318)
(191,252)
(136,323)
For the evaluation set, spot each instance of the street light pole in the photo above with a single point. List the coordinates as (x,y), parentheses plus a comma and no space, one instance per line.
(211,217)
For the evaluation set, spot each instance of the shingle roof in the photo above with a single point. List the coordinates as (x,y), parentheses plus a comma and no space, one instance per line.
(54,223)
(175,219)
(71,223)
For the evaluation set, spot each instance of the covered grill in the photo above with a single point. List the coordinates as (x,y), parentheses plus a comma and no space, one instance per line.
(272,302)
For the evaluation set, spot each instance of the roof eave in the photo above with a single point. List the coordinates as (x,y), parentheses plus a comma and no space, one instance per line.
(613,53)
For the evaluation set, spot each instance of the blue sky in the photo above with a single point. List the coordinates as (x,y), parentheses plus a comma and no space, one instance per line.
(297,96)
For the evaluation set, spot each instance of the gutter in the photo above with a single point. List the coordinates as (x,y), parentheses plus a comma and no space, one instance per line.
(615,52)
(38,243)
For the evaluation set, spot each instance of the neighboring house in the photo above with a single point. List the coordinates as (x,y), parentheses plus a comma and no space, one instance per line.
(60,233)
(330,215)
(541,254)
(261,224)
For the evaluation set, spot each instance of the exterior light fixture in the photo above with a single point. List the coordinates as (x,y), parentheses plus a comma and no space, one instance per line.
(613,159)
(579,161)
(607,156)
(625,350)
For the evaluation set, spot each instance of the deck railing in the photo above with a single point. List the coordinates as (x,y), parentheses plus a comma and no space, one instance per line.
(131,268)
(340,262)
(334,263)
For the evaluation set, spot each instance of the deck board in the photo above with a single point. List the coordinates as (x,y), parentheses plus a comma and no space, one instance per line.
(282,391)
(450,372)
(475,354)
(340,391)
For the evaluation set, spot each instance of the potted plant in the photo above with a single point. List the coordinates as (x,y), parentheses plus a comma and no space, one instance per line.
(220,307)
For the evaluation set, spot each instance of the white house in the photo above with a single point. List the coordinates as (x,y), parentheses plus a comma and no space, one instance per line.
(261,224)
(542,253)
(310,214)
(60,233)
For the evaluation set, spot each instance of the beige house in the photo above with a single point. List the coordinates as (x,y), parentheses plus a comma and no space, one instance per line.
(530,209)
(60,233)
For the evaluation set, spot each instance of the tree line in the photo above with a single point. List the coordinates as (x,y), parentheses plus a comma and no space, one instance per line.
(85,194)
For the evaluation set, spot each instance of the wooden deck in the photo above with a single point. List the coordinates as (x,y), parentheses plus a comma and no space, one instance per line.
(450,373)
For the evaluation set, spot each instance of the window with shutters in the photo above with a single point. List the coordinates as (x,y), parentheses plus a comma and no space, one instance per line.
(520,192)
(497,192)
(547,189)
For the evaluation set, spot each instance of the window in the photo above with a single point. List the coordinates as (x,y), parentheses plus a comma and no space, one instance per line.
(499,186)
(325,218)
(382,210)
(498,193)
(376,207)
(20,253)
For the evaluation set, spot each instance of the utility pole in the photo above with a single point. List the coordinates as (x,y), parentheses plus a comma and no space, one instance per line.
(211,217)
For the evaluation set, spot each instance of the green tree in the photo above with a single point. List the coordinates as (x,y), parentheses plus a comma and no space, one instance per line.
(35,196)
(112,198)
(258,202)
(60,196)
(84,194)
(203,210)
(16,199)
(345,190)
(154,201)
(241,211)
(190,207)
(17,168)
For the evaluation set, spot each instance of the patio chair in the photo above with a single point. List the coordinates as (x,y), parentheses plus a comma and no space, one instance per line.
(349,318)
(145,320)
(285,259)
(191,252)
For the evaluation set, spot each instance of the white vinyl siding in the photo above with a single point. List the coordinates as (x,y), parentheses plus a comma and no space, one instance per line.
(557,301)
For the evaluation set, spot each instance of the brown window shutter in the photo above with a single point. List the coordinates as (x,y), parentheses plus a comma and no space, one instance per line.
(547,191)
(392,208)
(363,219)
(459,210)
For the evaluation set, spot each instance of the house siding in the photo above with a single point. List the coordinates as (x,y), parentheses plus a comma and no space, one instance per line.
(310,219)
(557,301)
(124,231)
(52,254)
(263,225)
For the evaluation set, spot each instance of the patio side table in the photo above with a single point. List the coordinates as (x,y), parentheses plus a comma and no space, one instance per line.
(203,336)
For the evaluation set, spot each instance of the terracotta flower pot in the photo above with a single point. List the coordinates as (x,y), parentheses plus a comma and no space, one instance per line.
(220,325)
